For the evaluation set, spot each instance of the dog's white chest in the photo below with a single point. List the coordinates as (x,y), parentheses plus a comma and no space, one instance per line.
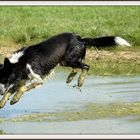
(15,57)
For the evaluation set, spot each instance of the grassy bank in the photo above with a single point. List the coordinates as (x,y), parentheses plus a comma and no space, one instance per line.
(115,62)
(91,111)
(23,26)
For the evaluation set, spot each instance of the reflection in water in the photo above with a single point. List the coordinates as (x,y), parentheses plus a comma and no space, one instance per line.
(100,94)
(2,132)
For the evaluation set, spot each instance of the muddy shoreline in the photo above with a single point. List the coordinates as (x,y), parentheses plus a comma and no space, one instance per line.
(102,62)
(91,54)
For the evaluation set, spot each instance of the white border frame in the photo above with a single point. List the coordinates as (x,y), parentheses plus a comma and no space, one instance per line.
(70,136)
(70,3)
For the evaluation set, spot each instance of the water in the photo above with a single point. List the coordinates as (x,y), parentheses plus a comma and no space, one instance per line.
(57,96)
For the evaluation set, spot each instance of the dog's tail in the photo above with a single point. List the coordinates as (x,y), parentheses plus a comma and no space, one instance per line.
(104,42)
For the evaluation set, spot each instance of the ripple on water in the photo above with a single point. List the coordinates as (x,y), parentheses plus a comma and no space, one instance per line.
(55,97)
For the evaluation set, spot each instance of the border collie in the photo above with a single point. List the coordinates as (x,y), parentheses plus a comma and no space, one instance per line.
(35,63)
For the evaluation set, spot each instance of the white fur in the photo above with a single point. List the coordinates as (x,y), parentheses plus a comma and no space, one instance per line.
(36,77)
(121,41)
(15,57)
(50,75)
(2,88)
(33,75)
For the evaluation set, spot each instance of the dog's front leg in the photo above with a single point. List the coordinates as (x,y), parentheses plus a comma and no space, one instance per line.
(6,97)
(22,86)
(22,89)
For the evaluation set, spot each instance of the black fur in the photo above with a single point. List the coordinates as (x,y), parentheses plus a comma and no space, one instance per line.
(66,49)
(101,42)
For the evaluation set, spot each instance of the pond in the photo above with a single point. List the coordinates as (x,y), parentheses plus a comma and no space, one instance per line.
(105,105)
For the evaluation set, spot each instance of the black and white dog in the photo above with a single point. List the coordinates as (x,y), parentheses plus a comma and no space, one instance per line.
(35,63)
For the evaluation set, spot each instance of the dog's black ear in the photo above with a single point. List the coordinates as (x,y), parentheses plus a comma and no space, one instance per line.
(6,62)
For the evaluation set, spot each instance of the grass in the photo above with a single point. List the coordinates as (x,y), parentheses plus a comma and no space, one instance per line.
(27,25)
(23,26)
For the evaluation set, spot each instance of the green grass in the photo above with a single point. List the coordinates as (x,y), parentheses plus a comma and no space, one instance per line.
(114,65)
(109,67)
(27,25)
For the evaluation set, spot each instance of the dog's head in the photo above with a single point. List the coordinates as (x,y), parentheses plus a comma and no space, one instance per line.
(7,76)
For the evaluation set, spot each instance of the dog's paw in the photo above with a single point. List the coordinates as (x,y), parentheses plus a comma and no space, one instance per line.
(69,79)
(14,100)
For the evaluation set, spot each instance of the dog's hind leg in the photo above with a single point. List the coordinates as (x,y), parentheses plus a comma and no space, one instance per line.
(71,75)
(84,68)
(74,57)
(81,78)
